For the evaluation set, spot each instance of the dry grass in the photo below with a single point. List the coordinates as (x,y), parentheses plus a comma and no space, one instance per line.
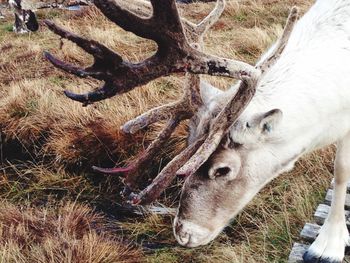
(69,233)
(48,144)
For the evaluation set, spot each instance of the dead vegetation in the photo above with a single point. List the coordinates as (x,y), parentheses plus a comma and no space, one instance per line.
(69,233)
(48,144)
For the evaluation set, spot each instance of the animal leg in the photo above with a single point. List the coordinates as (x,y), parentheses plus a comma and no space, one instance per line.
(329,246)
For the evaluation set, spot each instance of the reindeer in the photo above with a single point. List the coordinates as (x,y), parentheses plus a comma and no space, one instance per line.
(295,100)
(25,18)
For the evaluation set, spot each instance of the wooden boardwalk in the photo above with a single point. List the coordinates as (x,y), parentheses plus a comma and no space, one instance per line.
(310,230)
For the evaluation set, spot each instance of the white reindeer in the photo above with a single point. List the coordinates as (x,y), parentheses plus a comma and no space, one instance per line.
(302,104)
(296,100)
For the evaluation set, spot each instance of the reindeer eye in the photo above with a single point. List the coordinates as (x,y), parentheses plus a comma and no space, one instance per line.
(222,171)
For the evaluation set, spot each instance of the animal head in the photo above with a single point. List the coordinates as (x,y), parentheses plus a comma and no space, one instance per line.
(230,178)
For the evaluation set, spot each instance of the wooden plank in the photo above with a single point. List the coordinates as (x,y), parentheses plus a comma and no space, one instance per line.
(309,232)
(322,213)
(329,196)
(347,188)
(296,255)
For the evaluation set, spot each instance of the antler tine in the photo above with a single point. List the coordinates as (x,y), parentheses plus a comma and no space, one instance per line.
(141,8)
(282,42)
(105,92)
(154,115)
(90,46)
(66,66)
(165,17)
(125,19)
(184,108)
(165,177)
(212,18)
(99,52)
(144,158)
(166,12)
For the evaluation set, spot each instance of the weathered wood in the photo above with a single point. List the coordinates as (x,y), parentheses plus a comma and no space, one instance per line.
(310,232)
(296,255)
(329,196)
(322,213)
(347,188)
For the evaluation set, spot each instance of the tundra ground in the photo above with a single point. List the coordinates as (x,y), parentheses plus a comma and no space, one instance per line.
(48,144)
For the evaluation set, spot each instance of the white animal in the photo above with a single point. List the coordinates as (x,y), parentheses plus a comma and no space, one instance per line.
(302,104)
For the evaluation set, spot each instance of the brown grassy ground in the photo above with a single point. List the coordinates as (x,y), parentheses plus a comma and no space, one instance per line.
(48,144)
(69,233)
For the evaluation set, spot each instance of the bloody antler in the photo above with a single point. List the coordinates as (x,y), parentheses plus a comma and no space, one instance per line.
(179,50)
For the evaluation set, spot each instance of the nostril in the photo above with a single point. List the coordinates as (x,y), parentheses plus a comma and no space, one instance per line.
(178,227)
(184,238)
(182,235)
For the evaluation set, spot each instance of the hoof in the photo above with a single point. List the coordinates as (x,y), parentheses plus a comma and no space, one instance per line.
(309,257)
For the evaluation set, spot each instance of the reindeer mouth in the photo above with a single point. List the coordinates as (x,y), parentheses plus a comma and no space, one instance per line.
(189,234)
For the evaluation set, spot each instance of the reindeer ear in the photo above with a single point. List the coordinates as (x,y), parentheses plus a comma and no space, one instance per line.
(269,120)
(208,92)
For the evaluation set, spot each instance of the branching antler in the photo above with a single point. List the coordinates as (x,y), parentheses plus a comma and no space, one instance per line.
(174,53)
(179,50)
(178,111)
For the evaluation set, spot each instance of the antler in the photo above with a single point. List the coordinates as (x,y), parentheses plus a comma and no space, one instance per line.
(175,54)
(178,111)
(270,60)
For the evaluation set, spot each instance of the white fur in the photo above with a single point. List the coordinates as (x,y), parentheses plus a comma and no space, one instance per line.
(310,84)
